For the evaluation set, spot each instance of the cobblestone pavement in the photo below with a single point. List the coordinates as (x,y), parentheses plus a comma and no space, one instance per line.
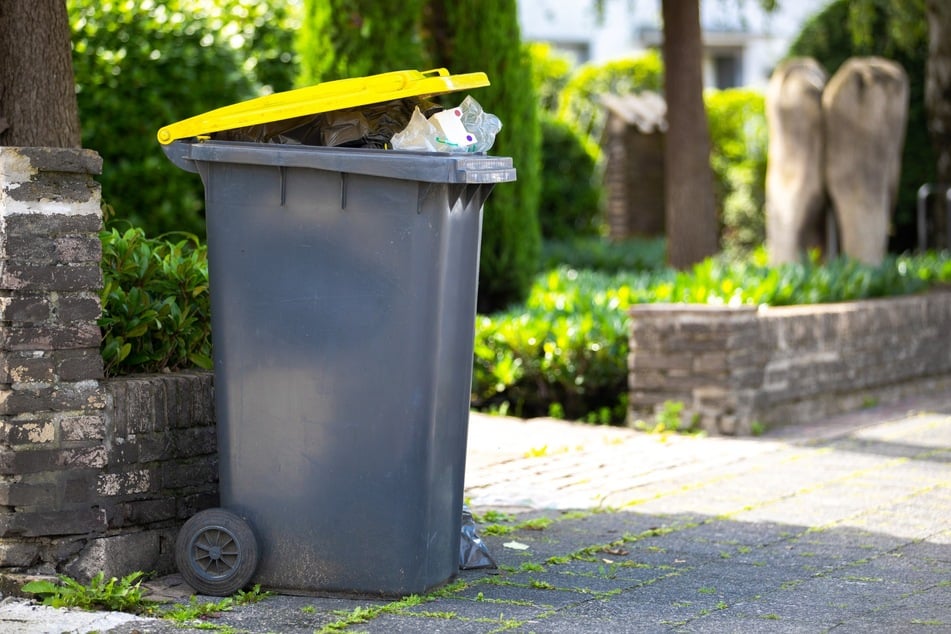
(841,526)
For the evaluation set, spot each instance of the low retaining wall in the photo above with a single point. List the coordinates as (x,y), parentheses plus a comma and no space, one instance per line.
(95,475)
(735,367)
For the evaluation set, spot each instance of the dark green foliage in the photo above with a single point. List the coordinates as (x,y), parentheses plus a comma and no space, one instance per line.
(551,72)
(355,38)
(139,66)
(155,303)
(570,203)
(828,37)
(738,138)
(579,101)
(485,37)
(561,354)
(565,351)
(635,254)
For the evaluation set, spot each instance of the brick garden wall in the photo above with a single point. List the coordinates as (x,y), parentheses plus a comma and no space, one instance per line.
(733,366)
(94,475)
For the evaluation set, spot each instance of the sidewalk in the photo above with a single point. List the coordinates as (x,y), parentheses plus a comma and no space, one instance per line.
(844,525)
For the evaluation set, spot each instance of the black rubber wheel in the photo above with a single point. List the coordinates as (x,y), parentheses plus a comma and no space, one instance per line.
(216,552)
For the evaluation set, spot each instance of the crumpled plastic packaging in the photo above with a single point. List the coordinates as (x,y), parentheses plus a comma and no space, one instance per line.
(370,126)
(402,124)
(473,553)
(421,134)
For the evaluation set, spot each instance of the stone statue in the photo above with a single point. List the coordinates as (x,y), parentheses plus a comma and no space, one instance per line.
(865,107)
(795,188)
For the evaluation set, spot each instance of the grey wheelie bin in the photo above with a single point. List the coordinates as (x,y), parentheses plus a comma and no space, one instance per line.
(343,287)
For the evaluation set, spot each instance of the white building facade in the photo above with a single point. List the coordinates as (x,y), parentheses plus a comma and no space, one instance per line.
(742,42)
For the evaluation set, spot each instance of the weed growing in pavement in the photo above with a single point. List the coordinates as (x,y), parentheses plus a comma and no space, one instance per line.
(195,610)
(670,419)
(123,595)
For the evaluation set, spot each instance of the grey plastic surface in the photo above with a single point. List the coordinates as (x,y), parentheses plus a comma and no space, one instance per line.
(343,289)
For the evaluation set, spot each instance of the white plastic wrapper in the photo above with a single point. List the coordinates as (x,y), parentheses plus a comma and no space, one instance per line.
(466,128)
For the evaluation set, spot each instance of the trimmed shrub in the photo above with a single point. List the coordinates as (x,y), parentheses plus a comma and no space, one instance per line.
(155,305)
(579,100)
(551,72)
(484,36)
(606,256)
(738,136)
(356,38)
(570,202)
(141,65)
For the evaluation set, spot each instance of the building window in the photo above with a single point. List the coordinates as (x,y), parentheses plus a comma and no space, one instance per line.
(727,70)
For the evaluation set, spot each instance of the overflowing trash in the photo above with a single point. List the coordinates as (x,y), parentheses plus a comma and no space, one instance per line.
(466,128)
(403,124)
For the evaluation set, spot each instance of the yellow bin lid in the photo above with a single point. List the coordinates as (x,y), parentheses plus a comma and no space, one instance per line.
(324,97)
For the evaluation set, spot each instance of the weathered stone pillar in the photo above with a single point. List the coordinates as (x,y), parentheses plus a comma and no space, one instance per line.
(51,401)
(706,357)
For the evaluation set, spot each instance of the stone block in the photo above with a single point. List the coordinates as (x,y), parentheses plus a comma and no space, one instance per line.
(188,505)
(194,442)
(82,427)
(17,275)
(124,483)
(38,524)
(188,473)
(17,554)
(124,451)
(26,367)
(117,556)
(30,430)
(65,160)
(26,398)
(35,495)
(25,308)
(31,225)
(78,306)
(79,364)
(139,512)
(34,249)
(80,486)
(44,337)
(78,248)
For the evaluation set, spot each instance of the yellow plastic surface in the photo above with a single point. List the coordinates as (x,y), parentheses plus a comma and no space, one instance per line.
(324,97)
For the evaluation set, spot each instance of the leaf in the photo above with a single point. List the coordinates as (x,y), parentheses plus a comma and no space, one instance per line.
(41,586)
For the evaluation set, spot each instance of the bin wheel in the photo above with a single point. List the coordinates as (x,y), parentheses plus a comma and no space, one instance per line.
(216,552)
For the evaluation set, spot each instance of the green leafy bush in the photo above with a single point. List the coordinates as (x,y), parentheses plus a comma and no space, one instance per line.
(738,136)
(141,65)
(570,201)
(579,102)
(564,353)
(607,256)
(155,303)
(550,71)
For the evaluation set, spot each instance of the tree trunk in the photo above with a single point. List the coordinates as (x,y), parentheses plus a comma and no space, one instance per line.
(692,232)
(37,92)
(938,85)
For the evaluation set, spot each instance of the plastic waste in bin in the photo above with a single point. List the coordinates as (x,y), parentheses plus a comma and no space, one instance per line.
(343,287)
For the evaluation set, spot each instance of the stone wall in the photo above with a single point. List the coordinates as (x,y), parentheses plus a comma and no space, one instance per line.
(733,367)
(94,475)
